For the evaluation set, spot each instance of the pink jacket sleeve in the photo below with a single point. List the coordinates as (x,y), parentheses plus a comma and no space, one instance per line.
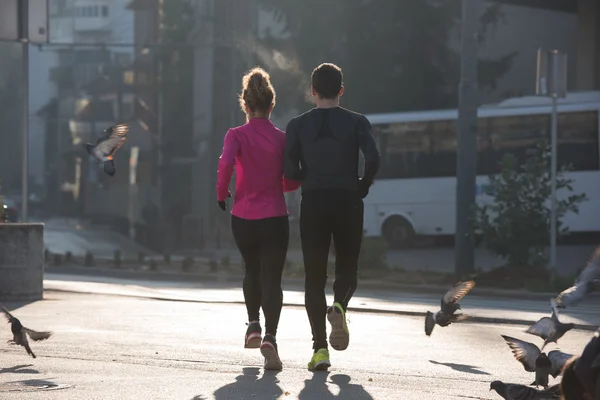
(231,147)
(290,185)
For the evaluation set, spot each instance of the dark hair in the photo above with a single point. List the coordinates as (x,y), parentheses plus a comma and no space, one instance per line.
(257,92)
(327,80)
(570,385)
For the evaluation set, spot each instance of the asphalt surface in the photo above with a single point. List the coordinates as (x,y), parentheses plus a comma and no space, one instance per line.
(109,347)
(481,308)
(126,345)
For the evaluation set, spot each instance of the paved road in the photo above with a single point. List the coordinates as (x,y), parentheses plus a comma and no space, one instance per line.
(587,313)
(110,347)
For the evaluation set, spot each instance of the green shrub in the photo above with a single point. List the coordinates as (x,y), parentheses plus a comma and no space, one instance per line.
(373,253)
(516,225)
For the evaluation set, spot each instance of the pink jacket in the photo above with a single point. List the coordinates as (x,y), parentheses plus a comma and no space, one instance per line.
(256,150)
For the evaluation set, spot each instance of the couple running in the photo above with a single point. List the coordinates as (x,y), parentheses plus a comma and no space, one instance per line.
(320,152)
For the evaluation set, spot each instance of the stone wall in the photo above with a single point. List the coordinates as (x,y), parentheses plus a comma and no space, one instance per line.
(21,262)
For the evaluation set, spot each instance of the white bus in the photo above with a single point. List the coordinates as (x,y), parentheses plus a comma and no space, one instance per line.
(415,190)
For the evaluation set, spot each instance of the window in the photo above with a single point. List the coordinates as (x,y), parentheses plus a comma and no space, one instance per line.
(429,149)
(400,146)
(514,135)
(578,140)
(421,149)
(91,11)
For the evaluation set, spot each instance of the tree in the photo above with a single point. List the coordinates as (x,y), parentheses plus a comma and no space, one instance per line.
(380,44)
(516,225)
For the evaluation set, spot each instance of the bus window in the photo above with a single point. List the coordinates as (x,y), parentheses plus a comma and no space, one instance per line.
(400,146)
(578,140)
(445,139)
(441,162)
(515,135)
(426,149)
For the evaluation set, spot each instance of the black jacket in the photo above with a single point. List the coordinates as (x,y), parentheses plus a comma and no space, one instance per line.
(322,150)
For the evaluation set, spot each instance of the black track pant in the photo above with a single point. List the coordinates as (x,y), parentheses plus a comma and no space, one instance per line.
(325,214)
(263,244)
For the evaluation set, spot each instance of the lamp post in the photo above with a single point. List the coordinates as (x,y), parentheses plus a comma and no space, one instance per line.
(552,82)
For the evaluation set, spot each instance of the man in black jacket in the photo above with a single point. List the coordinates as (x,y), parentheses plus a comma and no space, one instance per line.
(322,151)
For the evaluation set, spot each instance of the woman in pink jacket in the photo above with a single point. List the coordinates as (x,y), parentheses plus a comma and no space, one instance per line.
(259,218)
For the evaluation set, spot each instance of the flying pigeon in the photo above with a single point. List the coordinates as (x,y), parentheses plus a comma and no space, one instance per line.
(550,328)
(20,333)
(106,147)
(534,360)
(587,281)
(513,391)
(449,306)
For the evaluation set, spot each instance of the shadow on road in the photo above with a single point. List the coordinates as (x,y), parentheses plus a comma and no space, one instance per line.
(249,384)
(316,388)
(19,369)
(349,390)
(469,369)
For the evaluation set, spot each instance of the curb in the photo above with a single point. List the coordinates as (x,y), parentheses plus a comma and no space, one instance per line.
(238,278)
(471,319)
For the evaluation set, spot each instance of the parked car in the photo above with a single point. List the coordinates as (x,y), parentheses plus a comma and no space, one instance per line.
(10,210)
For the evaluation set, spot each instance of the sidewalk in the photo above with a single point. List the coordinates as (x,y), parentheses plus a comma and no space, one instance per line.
(63,236)
(482,308)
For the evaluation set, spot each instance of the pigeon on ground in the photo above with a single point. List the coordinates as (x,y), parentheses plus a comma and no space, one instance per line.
(550,328)
(449,306)
(513,391)
(106,147)
(20,333)
(534,360)
(587,281)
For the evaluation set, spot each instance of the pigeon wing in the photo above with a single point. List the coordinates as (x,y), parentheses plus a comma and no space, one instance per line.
(542,328)
(8,315)
(459,317)
(457,292)
(36,336)
(109,146)
(571,296)
(429,323)
(591,272)
(553,392)
(521,392)
(558,360)
(526,353)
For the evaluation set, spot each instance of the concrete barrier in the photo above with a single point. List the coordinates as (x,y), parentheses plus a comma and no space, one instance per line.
(21,262)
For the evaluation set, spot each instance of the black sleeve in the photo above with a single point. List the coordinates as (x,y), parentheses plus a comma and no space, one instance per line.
(367,144)
(293,151)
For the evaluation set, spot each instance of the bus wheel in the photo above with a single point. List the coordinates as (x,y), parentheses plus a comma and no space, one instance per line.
(398,232)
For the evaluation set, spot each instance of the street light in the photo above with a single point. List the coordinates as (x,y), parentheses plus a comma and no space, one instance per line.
(466,168)
(552,82)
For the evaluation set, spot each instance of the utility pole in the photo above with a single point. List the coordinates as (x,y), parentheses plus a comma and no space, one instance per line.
(466,171)
(551,81)
(24,19)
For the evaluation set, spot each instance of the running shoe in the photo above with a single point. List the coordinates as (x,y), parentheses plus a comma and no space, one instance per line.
(253,335)
(319,361)
(268,349)
(339,338)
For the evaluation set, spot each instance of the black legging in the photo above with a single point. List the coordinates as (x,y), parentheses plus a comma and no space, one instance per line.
(325,214)
(263,244)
